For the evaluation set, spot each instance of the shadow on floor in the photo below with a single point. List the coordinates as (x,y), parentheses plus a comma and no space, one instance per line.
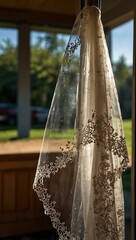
(51,235)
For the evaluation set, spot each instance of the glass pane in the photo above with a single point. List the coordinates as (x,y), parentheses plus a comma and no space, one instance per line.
(47,51)
(8,83)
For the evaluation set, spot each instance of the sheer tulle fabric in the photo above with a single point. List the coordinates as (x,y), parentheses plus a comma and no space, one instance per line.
(80,184)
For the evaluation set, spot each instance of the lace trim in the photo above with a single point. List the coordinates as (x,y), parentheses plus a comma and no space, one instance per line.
(98,130)
(49,209)
(103,184)
(60,162)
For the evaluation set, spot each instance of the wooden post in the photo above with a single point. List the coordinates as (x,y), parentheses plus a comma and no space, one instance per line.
(24,117)
(133,132)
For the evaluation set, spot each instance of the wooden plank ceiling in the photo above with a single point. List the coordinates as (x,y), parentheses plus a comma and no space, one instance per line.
(61,13)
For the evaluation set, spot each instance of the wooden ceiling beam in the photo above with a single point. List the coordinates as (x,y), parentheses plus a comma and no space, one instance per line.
(37,17)
(113,13)
(116,12)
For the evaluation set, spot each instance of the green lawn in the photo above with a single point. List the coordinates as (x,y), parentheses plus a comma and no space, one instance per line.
(128,135)
(7,133)
(35,133)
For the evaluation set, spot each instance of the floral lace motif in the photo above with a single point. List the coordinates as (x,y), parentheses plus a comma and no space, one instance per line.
(49,209)
(60,162)
(44,172)
(70,49)
(73,46)
(98,130)
(103,184)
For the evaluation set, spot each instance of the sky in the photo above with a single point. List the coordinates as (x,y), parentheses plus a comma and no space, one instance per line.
(122,40)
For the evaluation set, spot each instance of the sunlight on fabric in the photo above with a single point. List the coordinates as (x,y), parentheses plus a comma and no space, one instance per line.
(81,189)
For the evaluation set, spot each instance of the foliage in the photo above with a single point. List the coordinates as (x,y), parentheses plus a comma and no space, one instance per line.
(8,72)
(46,58)
(123,78)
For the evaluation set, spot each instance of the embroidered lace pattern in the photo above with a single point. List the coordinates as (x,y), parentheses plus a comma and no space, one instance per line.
(44,172)
(61,161)
(100,131)
(104,201)
(95,131)
(49,209)
(72,46)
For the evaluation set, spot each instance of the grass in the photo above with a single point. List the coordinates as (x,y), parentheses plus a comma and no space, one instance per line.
(7,133)
(35,133)
(128,135)
(60,134)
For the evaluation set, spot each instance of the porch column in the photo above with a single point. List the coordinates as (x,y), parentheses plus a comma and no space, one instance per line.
(24,116)
(133,131)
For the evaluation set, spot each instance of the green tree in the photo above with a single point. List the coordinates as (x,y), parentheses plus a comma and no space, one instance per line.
(46,57)
(45,65)
(8,72)
(123,78)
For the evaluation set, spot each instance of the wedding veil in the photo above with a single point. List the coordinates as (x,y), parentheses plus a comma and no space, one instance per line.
(79,181)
